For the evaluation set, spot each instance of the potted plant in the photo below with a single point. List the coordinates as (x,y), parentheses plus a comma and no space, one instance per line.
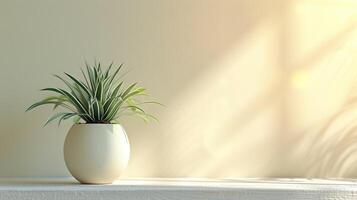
(96,148)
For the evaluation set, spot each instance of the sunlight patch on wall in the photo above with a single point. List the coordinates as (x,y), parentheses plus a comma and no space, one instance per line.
(301,79)
(322,51)
(322,57)
(228,113)
(242,115)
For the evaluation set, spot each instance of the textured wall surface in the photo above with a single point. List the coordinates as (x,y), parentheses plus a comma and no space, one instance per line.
(252,88)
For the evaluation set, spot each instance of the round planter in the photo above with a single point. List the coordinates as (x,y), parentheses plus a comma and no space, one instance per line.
(96,153)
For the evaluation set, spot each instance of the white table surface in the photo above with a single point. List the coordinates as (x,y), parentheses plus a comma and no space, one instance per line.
(247,189)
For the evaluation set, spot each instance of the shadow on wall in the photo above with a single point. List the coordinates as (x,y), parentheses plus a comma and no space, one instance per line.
(329,144)
(332,149)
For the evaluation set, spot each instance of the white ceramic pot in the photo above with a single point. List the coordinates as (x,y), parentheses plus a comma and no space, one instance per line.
(96,153)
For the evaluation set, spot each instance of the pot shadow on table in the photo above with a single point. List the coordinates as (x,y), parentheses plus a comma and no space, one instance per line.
(55,181)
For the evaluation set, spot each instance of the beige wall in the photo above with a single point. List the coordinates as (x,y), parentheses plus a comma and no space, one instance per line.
(252,88)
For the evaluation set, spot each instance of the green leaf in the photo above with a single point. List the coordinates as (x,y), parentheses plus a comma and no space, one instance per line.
(66,116)
(99,91)
(129,89)
(76,119)
(116,90)
(151,102)
(96,110)
(80,84)
(112,110)
(40,103)
(76,92)
(55,116)
(72,99)
(106,74)
(133,108)
(115,73)
(136,92)
(91,77)
(85,78)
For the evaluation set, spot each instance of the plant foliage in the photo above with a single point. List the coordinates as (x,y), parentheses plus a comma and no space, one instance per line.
(100,98)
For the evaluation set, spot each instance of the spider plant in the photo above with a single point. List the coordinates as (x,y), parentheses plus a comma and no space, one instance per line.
(99,98)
